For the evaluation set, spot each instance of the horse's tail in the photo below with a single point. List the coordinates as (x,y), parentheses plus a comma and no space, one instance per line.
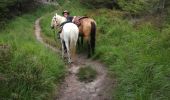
(93,36)
(73,48)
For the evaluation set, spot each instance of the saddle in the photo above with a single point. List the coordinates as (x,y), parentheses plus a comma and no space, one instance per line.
(76,20)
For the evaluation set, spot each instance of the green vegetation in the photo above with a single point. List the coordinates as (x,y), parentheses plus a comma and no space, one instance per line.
(28,70)
(86,74)
(12,8)
(132,6)
(138,57)
(137,54)
(16,5)
(98,3)
(138,6)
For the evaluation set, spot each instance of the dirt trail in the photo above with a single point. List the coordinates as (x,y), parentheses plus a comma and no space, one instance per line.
(72,88)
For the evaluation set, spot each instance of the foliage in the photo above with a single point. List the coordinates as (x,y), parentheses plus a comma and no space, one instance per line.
(138,57)
(137,6)
(28,70)
(11,8)
(133,6)
(98,3)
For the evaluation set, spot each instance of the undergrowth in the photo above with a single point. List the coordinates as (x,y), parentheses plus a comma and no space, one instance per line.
(28,70)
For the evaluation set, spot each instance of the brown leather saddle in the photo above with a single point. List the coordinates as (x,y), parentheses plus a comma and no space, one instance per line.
(77,20)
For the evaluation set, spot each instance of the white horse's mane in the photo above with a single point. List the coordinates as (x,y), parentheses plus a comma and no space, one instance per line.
(60,19)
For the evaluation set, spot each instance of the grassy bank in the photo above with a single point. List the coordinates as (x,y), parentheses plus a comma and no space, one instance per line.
(138,55)
(28,70)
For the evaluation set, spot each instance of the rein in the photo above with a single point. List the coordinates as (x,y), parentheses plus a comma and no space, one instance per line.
(62,24)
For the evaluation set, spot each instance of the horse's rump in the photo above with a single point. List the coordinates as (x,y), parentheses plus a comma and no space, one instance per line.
(70,29)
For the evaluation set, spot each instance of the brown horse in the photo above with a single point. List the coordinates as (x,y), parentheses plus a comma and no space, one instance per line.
(87,29)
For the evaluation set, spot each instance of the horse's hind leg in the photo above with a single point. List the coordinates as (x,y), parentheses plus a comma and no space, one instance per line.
(62,43)
(89,49)
(82,40)
(78,42)
(68,52)
(65,49)
(93,50)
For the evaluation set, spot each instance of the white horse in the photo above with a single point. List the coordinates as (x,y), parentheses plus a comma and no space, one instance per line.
(68,36)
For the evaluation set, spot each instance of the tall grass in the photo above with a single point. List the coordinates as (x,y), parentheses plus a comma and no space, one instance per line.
(28,70)
(137,56)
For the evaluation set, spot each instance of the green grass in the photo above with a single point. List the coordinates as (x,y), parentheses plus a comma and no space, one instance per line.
(87,74)
(28,70)
(137,56)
